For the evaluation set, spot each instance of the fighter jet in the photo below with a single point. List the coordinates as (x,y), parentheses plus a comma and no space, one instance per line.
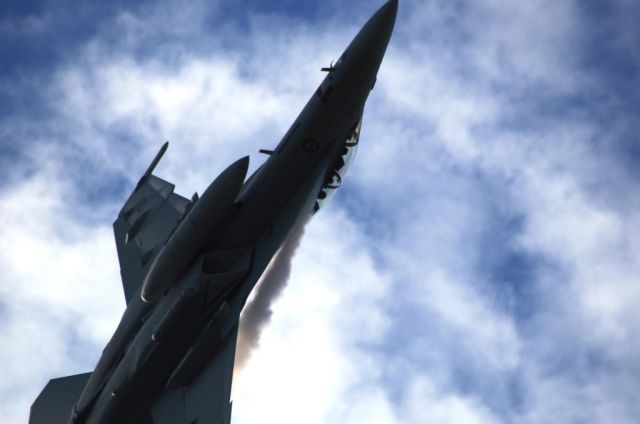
(188,265)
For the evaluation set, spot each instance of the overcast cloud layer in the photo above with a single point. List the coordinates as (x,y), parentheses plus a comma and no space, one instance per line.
(479,265)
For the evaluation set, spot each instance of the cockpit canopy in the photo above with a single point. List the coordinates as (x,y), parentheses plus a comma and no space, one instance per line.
(340,169)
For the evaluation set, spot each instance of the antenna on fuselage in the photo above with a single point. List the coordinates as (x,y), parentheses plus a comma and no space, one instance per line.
(331,68)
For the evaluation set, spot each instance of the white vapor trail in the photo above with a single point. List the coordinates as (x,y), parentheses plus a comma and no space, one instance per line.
(257,313)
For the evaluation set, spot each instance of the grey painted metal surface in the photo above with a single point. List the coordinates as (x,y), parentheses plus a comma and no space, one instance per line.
(188,266)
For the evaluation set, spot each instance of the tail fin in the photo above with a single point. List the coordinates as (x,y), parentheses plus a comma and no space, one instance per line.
(54,404)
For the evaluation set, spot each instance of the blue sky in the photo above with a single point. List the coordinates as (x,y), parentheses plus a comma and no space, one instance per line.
(479,264)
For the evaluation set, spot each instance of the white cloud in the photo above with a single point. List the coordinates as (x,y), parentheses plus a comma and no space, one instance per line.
(303,369)
(60,289)
(393,314)
(427,404)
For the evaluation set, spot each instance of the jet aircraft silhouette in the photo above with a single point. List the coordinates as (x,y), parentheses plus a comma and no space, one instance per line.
(188,265)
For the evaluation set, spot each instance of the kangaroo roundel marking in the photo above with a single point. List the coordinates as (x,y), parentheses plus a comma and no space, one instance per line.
(310,145)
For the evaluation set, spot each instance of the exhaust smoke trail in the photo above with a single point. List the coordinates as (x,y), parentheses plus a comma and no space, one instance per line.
(257,313)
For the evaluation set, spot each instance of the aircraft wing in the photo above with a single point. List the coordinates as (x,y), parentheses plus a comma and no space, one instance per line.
(206,398)
(144,224)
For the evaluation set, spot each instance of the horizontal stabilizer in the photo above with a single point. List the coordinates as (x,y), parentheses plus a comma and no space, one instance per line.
(55,402)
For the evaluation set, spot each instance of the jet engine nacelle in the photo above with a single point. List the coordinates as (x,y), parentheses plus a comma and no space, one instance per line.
(203,218)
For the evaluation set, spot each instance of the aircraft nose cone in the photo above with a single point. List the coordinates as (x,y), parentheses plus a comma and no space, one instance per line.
(389,10)
(380,25)
(388,14)
(373,38)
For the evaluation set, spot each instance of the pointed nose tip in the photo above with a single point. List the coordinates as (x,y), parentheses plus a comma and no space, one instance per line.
(377,31)
(386,15)
(392,8)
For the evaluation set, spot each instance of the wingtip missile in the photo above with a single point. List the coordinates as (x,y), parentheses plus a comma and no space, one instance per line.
(152,165)
(156,159)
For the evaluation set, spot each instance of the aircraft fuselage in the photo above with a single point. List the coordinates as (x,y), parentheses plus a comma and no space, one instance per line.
(159,346)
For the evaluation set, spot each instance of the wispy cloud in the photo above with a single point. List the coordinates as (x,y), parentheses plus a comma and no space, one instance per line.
(479,264)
